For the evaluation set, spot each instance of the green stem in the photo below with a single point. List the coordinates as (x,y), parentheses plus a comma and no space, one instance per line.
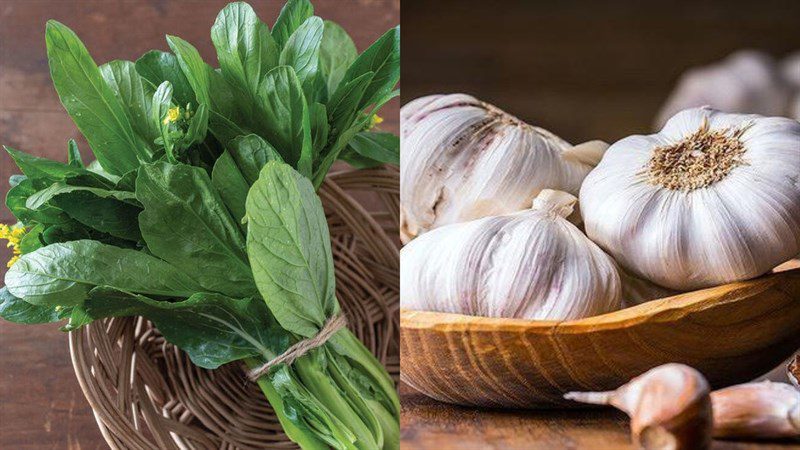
(305,439)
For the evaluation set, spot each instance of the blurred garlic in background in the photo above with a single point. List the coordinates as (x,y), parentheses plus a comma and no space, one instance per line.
(747,81)
(464,159)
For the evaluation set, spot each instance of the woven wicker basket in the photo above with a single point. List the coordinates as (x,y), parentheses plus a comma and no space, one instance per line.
(146,394)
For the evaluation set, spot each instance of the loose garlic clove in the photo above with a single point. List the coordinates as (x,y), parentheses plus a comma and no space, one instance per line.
(794,371)
(669,407)
(764,410)
(464,159)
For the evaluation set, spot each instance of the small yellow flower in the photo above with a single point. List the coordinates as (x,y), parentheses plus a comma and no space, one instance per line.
(374,121)
(14,236)
(172,115)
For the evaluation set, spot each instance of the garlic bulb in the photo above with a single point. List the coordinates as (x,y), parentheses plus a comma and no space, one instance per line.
(790,70)
(636,291)
(531,264)
(764,410)
(463,159)
(669,407)
(713,198)
(747,81)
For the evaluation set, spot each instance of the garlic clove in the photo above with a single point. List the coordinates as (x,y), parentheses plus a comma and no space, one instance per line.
(669,407)
(556,202)
(764,410)
(794,371)
(590,152)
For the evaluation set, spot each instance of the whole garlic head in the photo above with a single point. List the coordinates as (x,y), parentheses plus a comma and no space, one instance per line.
(463,159)
(531,264)
(713,198)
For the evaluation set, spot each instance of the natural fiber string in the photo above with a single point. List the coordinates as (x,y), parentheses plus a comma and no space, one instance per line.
(332,325)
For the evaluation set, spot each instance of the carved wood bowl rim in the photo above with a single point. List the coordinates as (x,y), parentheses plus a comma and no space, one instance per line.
(667,309)
(452,338)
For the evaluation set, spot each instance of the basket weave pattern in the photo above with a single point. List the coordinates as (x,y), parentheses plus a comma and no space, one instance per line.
(146,394)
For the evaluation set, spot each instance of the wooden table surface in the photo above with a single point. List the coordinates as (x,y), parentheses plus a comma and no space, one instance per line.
(41,404)
(427,424)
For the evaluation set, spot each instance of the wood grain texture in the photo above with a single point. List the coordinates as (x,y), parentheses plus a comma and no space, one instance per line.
(731,333)
(427,424)
(41,404)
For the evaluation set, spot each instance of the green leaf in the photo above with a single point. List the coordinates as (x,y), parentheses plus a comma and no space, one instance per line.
(318,117)
(97,169)
(285,117)
(343,107)
(40,198)
(98,114)
(135,94)
(375,148)
(16,310)
(112,212)
(289,249)
(157,66)
(162,102)
(17,198)
(223,129)
(63,274)
(193,67)
(251,153)
(336,54)
(186,223)
(245,48)
(74,155)
(292,15)
(77,318)
(127,182)
(32,240)
(198,127)
(383,59)
(43,171)
(212,329)
(302,53)
(231,185)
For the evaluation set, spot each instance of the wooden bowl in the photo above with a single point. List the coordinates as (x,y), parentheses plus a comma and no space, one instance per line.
(731,333)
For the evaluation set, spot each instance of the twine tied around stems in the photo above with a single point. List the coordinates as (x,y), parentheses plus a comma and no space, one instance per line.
(332,325)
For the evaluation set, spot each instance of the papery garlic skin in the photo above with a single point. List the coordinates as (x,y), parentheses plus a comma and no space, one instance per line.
(463,159)
(735,228)
(532,264)
(763,410)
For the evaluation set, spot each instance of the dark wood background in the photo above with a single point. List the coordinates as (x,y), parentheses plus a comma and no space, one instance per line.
(582,69)
(41,405)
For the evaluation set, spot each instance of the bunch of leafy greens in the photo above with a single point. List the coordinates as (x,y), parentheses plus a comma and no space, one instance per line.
(201,213)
